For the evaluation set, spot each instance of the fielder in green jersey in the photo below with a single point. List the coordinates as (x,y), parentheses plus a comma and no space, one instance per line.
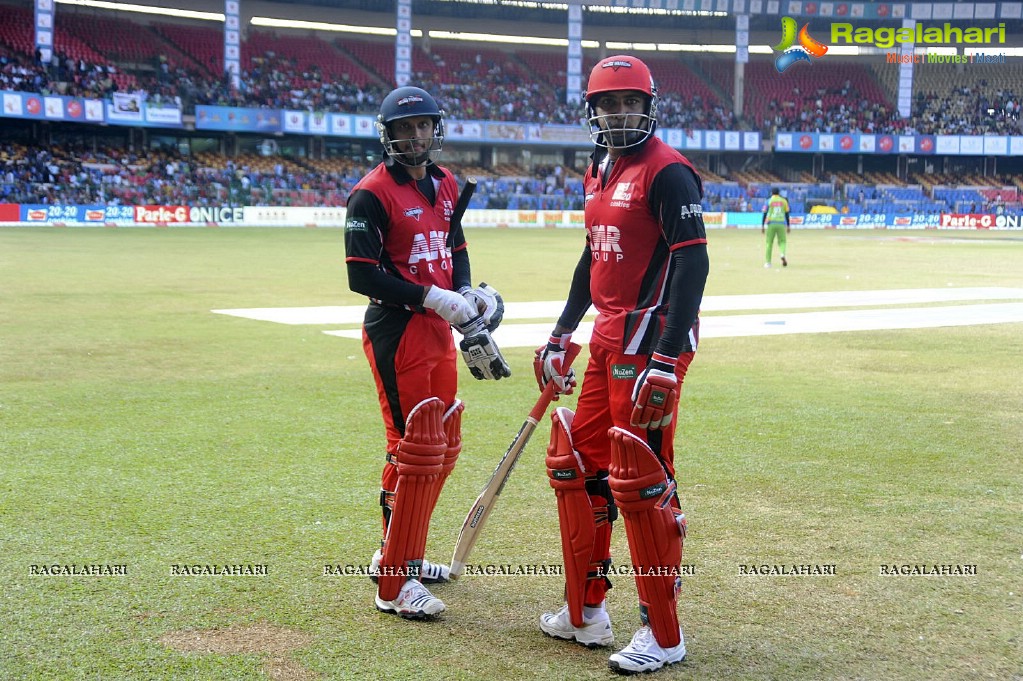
(776,225)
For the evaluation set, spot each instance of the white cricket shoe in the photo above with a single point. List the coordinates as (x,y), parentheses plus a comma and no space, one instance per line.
(643,654)
(429,573)
(593,634)
(414,601)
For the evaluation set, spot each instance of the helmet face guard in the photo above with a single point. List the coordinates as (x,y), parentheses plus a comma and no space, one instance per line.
(410,102)
(621,130)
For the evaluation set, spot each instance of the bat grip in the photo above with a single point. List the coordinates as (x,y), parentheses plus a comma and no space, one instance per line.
(463,200)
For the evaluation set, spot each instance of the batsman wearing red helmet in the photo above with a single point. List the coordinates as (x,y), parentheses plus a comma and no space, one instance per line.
(643,268)
(406,251)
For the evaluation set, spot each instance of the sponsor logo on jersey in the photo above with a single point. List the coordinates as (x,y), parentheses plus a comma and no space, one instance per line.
(604,243)
(623,372)
(586,199)
(692,210)
(414,213)
(432,249)
(622,197)
(356,225)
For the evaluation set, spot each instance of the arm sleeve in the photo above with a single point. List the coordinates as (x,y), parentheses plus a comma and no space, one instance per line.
(691,266)
(365,226)
(460,275)
(579,299)
(675,196)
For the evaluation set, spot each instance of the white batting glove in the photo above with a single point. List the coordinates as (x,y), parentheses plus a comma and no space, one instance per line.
(487,301)
(451,306)
(655,393)
(483,357)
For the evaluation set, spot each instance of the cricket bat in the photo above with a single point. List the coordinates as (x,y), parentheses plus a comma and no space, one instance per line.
(484,504)
(468,189)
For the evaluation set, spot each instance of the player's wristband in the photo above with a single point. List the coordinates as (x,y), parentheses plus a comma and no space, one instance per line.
(663,362)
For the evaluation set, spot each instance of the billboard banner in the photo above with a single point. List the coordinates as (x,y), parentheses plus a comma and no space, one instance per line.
(917,145)
(334,217)
(122,109)
(69,214)
(238,119)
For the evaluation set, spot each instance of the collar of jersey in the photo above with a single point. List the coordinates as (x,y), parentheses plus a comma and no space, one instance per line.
(600,152)
(400,174)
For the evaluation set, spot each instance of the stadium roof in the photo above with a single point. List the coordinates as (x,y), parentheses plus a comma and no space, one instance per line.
(528,10)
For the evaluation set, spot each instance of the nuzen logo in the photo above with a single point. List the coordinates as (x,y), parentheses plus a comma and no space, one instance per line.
(429,248)
(414,213)
(604,243)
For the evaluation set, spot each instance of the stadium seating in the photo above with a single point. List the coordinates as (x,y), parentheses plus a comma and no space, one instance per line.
(314,61)
(124,41)
(101,52)
(204,44)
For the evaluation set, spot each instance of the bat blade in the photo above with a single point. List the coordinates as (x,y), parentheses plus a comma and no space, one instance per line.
(472,527)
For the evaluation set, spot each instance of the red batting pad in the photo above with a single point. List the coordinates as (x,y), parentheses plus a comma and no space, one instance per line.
(420,463)
(643,494)
(575,516)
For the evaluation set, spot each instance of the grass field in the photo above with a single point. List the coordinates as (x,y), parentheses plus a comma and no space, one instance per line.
(138,429)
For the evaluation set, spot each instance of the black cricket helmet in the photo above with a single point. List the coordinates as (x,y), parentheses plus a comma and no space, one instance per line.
(409,102)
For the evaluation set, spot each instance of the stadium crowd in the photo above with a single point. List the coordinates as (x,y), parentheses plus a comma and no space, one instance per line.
(972,111)
(483,88)
(74,174)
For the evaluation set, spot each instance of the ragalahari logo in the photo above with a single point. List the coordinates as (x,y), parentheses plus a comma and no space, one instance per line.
(807,48)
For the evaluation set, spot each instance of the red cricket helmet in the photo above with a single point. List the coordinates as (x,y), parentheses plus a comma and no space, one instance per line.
(621,72)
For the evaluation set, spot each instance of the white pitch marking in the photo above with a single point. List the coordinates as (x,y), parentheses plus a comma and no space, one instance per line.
(551,309)
(725,326)
(733,326)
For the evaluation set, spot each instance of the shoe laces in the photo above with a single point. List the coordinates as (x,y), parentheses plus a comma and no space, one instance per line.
(417,590)
(642,638)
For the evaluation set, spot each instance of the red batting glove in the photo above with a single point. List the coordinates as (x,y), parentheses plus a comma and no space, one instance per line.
(655,393)
(549,365)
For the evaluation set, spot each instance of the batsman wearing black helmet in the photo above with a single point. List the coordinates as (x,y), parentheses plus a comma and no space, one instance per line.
(407,254)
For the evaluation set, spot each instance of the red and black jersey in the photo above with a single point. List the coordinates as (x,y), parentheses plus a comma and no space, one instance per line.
(647,208)
(392,226)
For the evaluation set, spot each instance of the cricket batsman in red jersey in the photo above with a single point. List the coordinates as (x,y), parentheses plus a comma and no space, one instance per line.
(643,268)
(406,251)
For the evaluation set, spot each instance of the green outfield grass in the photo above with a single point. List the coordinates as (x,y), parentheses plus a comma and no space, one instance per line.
(139,429)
